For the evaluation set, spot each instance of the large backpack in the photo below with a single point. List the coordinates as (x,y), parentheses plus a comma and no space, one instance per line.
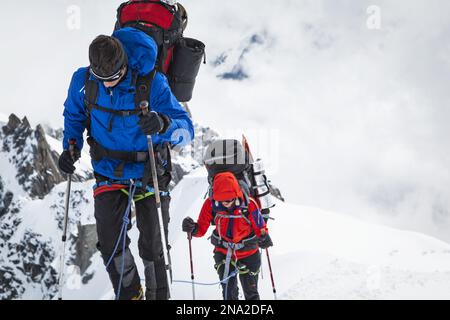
(231,156)
(179,58)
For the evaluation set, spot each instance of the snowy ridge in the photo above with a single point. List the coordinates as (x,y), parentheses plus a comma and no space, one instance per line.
(32,203)
(31,211)
(323,255)
(317,254)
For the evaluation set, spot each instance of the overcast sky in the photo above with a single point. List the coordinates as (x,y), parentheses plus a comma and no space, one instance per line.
(356,119)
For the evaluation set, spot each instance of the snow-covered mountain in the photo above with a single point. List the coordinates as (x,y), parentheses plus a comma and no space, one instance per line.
(32,191)
(31,210)
(317,254)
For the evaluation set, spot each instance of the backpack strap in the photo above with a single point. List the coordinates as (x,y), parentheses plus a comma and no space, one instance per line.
(245,214)
(144,89)
(143,98)
(143,92)
(90,98)
(90,101)
(91,90)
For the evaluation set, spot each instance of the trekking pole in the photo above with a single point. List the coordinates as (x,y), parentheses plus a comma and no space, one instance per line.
(66,218)
(261,268)
(192,265)
(145,109)
(271,275)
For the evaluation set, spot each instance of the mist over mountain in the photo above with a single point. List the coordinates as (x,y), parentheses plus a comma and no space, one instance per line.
(351,123)
(350,119)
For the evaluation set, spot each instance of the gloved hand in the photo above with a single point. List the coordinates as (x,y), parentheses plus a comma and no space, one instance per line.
(153,123)
(66,161)
(190,226)
(265,241)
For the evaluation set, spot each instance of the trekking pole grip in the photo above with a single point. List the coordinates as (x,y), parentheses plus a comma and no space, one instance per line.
(72,144)
(144,105)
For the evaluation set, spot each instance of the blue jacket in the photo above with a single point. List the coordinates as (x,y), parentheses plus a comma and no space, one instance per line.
(126,134)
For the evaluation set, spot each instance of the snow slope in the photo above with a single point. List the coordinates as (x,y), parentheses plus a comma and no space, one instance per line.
(317,255)
(322,255)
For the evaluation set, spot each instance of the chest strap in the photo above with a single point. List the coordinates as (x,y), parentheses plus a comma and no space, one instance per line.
(244,215)
(98,153)
(120,113)
(143,88)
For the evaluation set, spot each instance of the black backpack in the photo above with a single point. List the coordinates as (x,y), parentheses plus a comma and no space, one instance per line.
(230,156)
(179,58)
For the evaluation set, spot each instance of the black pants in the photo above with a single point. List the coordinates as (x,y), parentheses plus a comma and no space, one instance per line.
(109,211)
(249,267)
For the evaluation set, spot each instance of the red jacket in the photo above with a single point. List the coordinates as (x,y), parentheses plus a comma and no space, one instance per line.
(231,229)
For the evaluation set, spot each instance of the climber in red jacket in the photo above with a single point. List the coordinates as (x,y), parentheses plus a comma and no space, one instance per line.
(240,232)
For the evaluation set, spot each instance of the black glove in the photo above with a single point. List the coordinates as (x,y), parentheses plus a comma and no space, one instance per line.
(66,161)
(265,241)
(153,123)
(190,226)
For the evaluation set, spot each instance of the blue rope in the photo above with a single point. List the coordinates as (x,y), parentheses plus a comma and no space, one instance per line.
(123,237)
(115,248)
(228,278)
(223,281)
(122,269)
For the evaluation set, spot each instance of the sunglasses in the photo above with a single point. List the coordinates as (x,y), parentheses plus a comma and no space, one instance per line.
(114,77)
(228,201)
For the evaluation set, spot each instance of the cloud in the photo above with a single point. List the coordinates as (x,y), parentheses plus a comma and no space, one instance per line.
(361,116)
(362,113)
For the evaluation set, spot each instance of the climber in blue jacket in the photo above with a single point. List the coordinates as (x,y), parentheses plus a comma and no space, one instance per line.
(106,100)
